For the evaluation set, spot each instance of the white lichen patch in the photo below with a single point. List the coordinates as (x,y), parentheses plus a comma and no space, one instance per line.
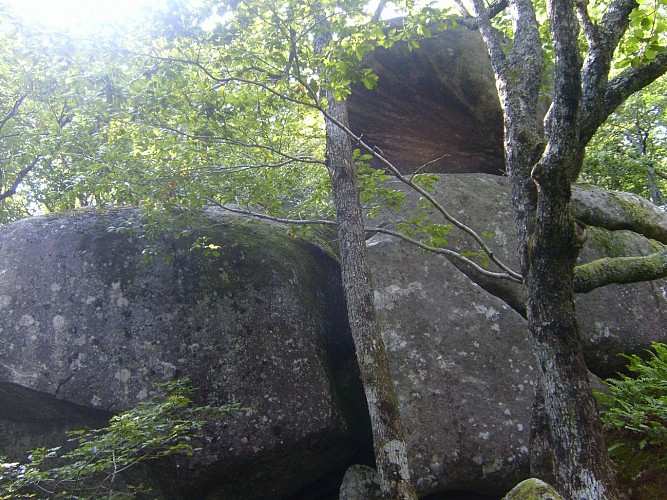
(26,321)
(489,312)
(123,375)
(495,466)
(601,330)
(117,297)
(388,298)
(79,362)
(59,323)
(5,301)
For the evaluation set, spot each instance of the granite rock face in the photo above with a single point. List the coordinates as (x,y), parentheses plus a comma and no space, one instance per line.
(459,345)
(88,328)
(260,321)
(464,367)
(434,105)
(612,319)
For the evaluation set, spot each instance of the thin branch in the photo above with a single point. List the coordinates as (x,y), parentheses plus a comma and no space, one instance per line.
(425,194)
(590,28)
(463,10)
(378,11)
(437,250)
(241,144)
(266,87)
(431,162)
(496,8)
(508,274)
(12,112)
(492,11)
(258,215)
(19,178)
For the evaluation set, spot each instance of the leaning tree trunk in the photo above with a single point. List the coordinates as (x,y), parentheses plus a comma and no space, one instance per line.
(388,436)
(391,458)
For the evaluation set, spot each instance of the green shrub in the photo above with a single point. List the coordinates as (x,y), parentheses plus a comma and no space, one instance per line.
(98,460)
(635,422)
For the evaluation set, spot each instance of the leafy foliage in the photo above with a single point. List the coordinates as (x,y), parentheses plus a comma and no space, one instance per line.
(629,152)
(635,419)
(645,37)
(98,460)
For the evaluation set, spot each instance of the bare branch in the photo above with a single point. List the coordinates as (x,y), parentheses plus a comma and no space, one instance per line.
(496,8)
(587,23)
(508,274)
(437,250)
(378,11)
(620,270)
(12,112)
(281,220)
(235,142)
(430,162)
(19,178)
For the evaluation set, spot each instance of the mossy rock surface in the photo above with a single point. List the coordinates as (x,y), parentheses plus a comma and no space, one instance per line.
(259,318)
(533,489)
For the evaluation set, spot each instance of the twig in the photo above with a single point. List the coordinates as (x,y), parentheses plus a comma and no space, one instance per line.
(441,251)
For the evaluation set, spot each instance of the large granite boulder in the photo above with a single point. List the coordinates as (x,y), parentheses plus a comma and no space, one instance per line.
(464,370)
(259,320)
(612,319)
(88,328)
(436,105)
(458,342)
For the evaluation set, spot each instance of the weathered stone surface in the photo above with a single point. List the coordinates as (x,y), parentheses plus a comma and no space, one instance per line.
(84,321)
(264,324)
(438,102)
(533,489)
(613,319)
(360,482)
(464,369)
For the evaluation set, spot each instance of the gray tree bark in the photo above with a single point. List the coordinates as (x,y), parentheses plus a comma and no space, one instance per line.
(568,446)
(388,435)
(391,458)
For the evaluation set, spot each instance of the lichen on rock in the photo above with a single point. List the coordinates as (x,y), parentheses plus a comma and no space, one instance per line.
(533,489)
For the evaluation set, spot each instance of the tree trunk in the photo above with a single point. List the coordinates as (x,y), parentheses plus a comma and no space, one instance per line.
(388,436)
(391,457)
(657,196)
(568,446)
(567,428)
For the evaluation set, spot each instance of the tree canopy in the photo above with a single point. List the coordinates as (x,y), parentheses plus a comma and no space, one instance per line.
(244,103)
